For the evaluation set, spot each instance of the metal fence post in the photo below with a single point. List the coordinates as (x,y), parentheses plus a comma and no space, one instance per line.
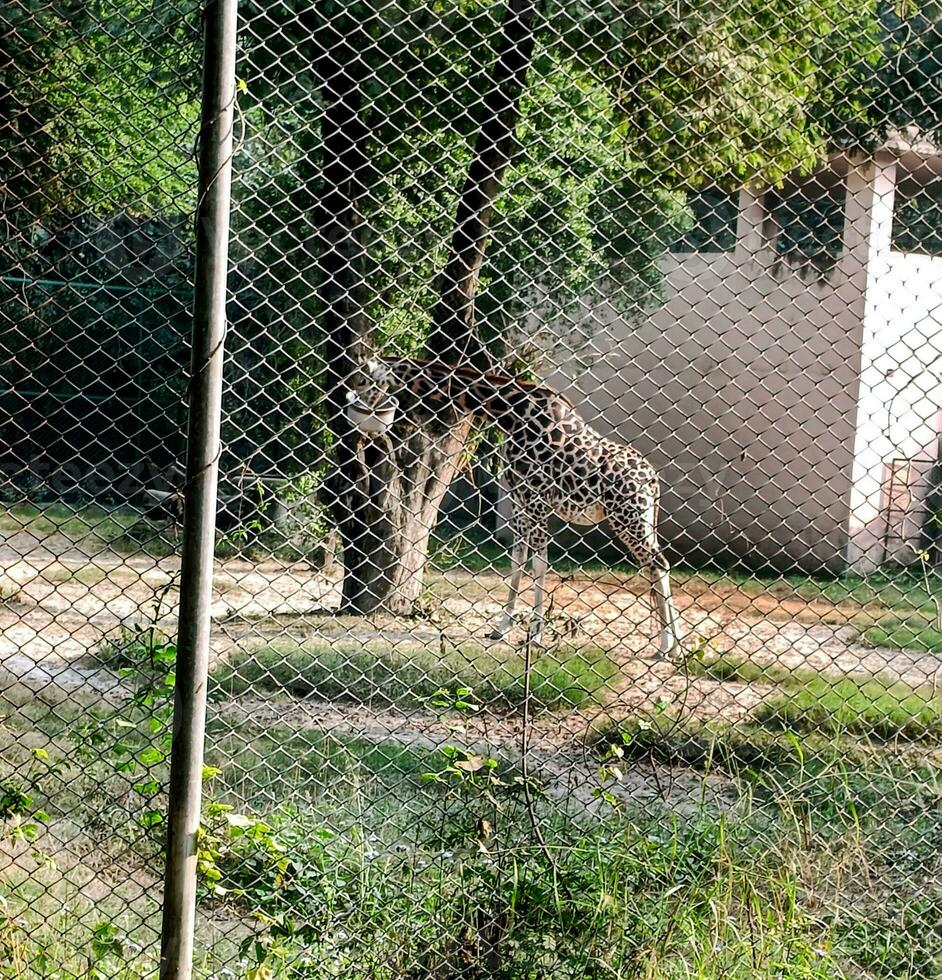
(205,399)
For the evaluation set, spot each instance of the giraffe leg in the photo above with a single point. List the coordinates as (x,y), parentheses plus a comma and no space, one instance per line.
(649,556)
(518,559)
(539,542)
(659,571)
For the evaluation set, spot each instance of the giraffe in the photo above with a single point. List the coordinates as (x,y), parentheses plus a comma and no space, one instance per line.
(555,465)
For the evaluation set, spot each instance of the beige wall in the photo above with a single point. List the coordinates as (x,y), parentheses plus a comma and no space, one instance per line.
(743,390)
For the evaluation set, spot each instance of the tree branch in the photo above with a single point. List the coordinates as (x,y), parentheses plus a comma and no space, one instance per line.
(454,336)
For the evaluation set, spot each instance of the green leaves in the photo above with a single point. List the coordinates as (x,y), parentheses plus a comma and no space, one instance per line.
(727,91)
(151,756)
(461,700)
(14,800)
(109,127)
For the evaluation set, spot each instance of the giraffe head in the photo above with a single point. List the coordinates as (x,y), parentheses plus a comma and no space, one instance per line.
(370,406)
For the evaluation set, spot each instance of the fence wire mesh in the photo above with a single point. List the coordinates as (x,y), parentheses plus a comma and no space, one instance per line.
(479,249)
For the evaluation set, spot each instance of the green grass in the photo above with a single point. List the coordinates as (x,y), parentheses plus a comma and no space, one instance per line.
(99,528)
(406,674)
(385,874)
(76,523)
(821,862)
(883,589)
(898,941)
(730,667)
(280,762)
(905,633)
(877,708)
(817,702)
(703,746)
(831,786)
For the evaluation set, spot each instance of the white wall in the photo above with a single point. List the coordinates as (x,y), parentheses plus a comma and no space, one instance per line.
(900,394)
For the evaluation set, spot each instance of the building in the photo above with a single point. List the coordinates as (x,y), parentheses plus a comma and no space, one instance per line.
(789,386)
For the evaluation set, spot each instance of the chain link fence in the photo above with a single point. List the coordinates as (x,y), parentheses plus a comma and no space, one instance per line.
(477,249)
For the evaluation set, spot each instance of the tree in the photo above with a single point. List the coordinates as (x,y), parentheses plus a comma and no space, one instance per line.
(98,104)
(894,84)
(423,177)
(684,93)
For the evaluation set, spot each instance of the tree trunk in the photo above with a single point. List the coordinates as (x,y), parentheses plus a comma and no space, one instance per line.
(454,336)
(386,492)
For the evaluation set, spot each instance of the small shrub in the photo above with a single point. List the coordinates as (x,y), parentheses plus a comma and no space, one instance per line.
(138,647)
(702,746)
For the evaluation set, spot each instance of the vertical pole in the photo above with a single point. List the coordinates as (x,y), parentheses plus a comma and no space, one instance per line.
(202,465)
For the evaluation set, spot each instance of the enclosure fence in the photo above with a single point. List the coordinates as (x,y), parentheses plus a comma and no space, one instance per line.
(471,490)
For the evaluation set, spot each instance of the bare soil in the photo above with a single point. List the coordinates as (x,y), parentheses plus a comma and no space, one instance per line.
(59,601)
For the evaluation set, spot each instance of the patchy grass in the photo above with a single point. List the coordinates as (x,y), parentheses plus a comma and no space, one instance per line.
(742,670)
(881,590)
(11,591)
(878,708)
(389,862)
(331,772)
(905,633)
(703,746)
(883,804)
(816,702)
(819,703)
(92,528)
(384,674)
(903,592)
(57,573)
(76,523)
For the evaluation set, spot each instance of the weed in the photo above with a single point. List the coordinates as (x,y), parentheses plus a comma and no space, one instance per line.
(338,853)
(136,647)
(903,942)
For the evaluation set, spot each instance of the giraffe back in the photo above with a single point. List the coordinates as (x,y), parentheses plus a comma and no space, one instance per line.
(559,464)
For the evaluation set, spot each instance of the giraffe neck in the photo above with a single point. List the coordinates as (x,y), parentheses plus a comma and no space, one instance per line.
(500,399)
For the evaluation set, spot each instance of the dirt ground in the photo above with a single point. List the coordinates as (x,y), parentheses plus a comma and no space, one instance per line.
(60,600)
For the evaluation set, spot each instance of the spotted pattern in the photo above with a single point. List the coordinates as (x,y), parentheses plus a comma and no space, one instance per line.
(556,464)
